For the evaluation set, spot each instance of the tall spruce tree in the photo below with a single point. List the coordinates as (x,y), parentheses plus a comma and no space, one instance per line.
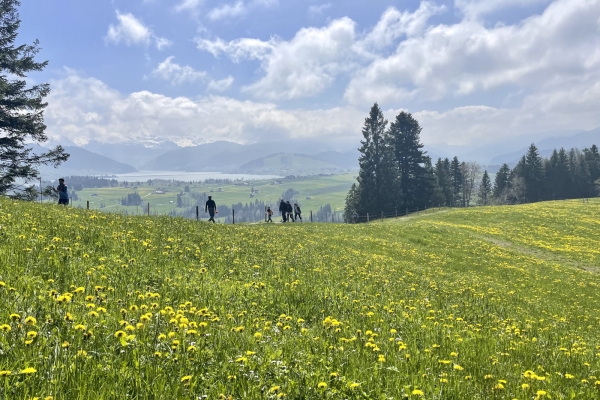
(21,110)
(441,184)
(416,184)
(456,177)
(501,182)
(485,188)
(533,175)
(376,178)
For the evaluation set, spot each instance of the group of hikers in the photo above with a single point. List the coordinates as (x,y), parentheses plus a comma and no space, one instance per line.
(288,211)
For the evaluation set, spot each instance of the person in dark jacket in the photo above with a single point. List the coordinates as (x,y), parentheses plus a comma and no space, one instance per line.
(269,214)
(290,211)
(283,210)
(297,212)
(211,208)
(63,192)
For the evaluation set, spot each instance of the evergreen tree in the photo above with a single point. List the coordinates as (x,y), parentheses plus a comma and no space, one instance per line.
(376,178)
(22,110)
(456,179)
(441,182)
(485,188)
(533,175)
(416,184)
(593,161)
(501,182)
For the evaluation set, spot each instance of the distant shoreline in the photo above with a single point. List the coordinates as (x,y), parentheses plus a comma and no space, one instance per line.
(185,176)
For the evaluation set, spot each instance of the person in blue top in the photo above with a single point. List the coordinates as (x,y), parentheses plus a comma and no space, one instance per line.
(63,192)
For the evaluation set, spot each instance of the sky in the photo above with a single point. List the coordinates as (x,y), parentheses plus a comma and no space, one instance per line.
(472,72)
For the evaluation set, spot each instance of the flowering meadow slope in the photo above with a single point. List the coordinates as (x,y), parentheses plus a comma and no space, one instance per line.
(488,303)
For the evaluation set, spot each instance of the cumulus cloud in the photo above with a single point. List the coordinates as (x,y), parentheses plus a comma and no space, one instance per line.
(467,57)
(188,5)
(177,74)
(301,67)
(131,31)
(82,109)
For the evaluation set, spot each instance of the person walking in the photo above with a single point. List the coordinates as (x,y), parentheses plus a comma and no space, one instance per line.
(290,211)
(297,212)
(269,214)
(211,208)
(63,192)
(283,210)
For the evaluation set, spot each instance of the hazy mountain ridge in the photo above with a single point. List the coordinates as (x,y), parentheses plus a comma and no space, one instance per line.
(288,164)
(84,162)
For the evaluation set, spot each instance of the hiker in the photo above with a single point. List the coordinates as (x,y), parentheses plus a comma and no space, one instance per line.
(290,211)
(211,207)
(63,192)
(283,210)
(297,212)
(269,214)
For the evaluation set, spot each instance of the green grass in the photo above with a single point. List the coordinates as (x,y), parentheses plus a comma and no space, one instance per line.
(485,303)
(322,190)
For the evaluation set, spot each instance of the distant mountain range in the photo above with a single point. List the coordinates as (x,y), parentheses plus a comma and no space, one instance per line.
(290,157)
(84,162)
(546,146)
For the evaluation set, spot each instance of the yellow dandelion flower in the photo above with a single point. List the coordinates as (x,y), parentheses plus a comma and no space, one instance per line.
(5,373)
(418,392)
(30,320)
(186,379)
(28,371)
(322,385)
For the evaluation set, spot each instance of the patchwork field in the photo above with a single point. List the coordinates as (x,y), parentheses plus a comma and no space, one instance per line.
(484,303)
(314,192)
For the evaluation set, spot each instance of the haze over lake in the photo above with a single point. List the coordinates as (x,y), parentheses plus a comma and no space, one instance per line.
(143,176)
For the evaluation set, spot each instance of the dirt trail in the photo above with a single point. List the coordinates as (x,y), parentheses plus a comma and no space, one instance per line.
(540,254)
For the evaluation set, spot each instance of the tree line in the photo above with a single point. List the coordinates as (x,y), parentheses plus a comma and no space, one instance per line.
(396,174)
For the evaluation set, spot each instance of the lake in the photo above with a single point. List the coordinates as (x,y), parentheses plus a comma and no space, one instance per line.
(143,176)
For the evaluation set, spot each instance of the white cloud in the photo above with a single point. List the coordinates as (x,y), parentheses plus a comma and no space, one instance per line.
(315,10)
(228,11)
(394,24)
(82,109)
(238,49)
(301,67)
(220,85)
(238,9)
(132,31)
(177,74)
(468,57)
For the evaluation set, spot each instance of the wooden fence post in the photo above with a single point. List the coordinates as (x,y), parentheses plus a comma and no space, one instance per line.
(148,209)
(88,204)
(310,215)
(382,216)
(233,216)
(367,217)
(197,213)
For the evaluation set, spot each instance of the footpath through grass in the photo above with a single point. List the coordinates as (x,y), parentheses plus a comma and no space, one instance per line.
(489,303)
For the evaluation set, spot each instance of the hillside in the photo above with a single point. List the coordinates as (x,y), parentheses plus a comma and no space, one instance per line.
(494,302)
(84,162)
(287,164)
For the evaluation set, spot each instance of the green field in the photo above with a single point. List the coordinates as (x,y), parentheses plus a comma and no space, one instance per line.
(321,190)
(481,303)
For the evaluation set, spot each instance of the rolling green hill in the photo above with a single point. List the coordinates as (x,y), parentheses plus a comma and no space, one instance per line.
(483,303)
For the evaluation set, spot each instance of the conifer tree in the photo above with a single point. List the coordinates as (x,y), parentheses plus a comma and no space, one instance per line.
(456,178)
(501,182)
(21,110)
(533,175)
(415,184)
(376,178)
(485,188)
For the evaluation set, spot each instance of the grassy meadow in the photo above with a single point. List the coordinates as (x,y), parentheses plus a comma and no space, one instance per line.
(483,303)
(322,190)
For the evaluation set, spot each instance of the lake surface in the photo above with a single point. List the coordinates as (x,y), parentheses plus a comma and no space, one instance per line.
(143,176)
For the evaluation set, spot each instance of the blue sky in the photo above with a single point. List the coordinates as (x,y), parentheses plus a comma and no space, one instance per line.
(192,71)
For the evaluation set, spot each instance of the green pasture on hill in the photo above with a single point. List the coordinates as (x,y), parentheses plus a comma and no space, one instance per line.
(313,192)
(482,303)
